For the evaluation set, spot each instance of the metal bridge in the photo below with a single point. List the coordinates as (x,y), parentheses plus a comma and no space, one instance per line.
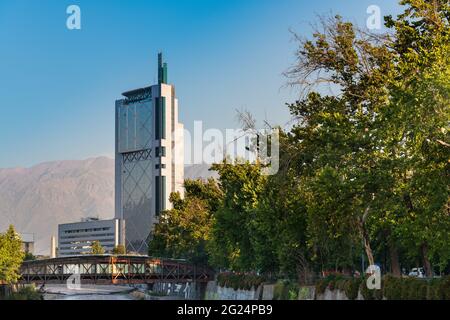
(112,269)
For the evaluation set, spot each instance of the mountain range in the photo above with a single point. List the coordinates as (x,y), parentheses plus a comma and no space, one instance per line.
(36,199)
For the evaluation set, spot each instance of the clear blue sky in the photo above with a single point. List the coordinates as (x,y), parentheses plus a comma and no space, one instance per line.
(58,87)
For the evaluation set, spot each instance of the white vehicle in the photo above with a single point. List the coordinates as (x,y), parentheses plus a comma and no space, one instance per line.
(417,272)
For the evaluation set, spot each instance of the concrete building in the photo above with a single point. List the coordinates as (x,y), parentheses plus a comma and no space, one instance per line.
(27,242)
(149,157)
(53,247)
(77,238)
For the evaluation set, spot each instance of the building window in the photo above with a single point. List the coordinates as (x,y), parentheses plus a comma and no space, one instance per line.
(160,194)
(160,152)
(157,195)
(160,118)
(163,118)
(163,193)
(157,121)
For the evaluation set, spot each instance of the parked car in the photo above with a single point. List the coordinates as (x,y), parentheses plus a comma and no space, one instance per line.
(417,272)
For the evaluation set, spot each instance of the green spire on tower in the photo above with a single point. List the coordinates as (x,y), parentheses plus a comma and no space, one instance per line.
(162,69)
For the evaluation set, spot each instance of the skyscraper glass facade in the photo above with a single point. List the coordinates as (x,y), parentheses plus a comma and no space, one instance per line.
(149,163)
(135,138)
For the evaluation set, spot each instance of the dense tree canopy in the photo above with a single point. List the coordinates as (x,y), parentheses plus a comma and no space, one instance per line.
(184,231)
(364,170)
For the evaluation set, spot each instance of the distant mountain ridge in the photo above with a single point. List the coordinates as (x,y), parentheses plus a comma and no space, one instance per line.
(36,199)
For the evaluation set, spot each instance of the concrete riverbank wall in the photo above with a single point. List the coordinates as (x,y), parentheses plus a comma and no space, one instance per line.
(266,292)
(216,292)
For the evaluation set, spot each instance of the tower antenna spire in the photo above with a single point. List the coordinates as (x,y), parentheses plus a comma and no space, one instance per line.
(162,69)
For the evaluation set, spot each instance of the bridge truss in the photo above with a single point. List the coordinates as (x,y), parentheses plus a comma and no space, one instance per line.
(109,269)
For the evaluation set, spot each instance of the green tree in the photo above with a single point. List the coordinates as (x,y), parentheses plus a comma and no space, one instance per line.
(11,256)
(119,249)
(373,157)
(419,108)
(29,256)
(184,231)
(96,248)
(364,169)
(336,135)
(279,229)
(231,242)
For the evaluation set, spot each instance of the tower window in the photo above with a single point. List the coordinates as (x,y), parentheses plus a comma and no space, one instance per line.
(160,151)
(160,194)
(160,118)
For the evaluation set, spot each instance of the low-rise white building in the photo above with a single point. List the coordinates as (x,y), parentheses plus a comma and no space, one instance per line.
(77,238)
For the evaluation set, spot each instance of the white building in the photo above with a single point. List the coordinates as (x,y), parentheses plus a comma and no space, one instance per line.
(27,242)
(77,238)
(149,157)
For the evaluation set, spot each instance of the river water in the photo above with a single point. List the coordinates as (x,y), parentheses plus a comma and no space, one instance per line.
(88,292)
(88,297)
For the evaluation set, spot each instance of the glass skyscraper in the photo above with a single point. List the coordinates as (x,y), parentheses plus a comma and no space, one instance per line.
(149,158)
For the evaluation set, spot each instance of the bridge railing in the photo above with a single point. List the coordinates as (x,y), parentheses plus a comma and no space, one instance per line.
(114,269)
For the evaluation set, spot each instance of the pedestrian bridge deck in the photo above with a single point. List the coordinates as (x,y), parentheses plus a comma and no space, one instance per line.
(112,269)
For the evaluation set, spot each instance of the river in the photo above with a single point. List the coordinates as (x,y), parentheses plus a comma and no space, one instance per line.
(88,297)
(88,292)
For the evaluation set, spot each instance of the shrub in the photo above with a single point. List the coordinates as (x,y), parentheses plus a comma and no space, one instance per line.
(366,292)
(239,280)
(335,281)
(422,290)
(293,292)
(406,286)
(280,290)
(332,284)
(304,293)
(445,287)
(351,288)
(439,289)
(433,290)
(286,290)
(370,294)
(414,289)
(321,285)
(341,284)
(26,293)
(377,294)
(253,281)
(222,280)
(392,288)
